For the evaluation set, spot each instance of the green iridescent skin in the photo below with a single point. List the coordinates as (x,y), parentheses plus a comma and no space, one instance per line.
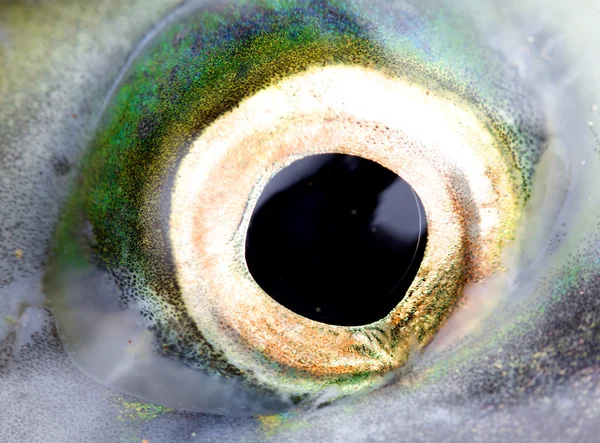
(48,77)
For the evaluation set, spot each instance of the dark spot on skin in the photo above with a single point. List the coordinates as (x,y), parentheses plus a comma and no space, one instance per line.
(595,136)
(173,74)
(297,399)
(6,352)
(61,166)
(324,405)
(146,127)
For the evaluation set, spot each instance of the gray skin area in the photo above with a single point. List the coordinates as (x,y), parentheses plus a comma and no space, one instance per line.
(530,373)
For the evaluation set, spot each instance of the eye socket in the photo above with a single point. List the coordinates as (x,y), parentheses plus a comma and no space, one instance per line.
(199,126)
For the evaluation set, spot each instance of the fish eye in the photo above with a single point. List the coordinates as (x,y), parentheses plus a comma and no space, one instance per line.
(283,206)
(156,233)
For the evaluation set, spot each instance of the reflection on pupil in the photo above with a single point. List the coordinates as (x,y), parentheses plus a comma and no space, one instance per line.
(337,239)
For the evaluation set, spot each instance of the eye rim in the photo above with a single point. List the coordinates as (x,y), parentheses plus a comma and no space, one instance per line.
(401,326)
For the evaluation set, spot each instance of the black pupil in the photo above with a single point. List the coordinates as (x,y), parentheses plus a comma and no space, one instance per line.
(337,239)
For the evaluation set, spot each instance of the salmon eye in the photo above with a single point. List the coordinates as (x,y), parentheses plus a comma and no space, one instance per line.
(286,199)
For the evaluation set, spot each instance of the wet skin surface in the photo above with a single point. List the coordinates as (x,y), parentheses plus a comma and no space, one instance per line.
(528,373)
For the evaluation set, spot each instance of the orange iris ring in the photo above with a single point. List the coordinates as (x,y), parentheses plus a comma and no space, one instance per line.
(465,186)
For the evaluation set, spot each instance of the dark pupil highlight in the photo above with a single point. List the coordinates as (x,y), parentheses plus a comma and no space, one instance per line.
(337,239)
